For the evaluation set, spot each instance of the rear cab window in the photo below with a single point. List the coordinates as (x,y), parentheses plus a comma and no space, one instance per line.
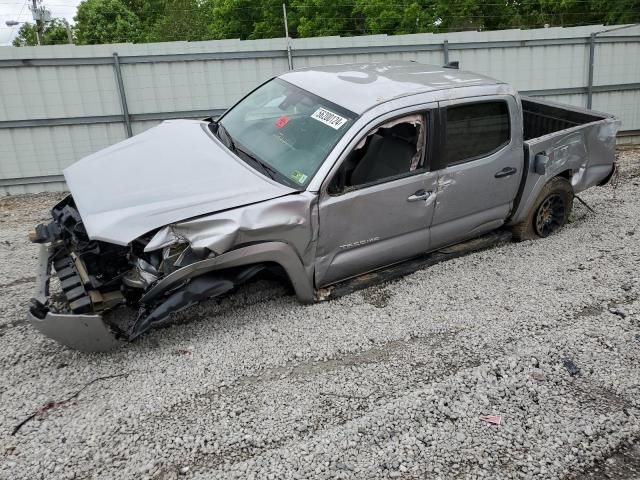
(475,130)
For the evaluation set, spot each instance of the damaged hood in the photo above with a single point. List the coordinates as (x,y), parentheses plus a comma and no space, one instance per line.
(169,173)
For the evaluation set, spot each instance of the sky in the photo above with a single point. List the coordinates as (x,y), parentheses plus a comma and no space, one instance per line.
(19,10)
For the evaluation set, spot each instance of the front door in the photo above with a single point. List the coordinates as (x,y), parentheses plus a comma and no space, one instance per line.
(378,204)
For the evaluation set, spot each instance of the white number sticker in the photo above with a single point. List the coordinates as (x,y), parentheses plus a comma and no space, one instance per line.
(329,118)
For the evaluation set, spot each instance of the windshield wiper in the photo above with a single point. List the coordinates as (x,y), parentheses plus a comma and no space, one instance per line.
(230,144)
(267,169)
(234,148)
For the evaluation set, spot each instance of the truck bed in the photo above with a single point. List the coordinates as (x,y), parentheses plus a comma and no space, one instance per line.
(564,140)
(542,118)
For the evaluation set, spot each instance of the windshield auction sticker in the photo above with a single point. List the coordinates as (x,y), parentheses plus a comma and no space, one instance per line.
(282,121)
(329,118)
(298,176)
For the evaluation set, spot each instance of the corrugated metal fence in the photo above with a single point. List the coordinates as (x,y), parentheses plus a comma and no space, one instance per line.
(60,103)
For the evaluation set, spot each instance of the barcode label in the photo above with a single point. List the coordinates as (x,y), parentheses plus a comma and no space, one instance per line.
(329,118)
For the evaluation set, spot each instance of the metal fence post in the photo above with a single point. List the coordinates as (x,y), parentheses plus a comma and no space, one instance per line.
(123,97)
(286,32)
(592,51)
(445,51)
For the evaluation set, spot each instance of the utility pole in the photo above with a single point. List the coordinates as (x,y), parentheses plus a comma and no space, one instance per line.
(37,15)
(286,32)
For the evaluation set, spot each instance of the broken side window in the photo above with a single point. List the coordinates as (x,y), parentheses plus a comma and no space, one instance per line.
(392,150)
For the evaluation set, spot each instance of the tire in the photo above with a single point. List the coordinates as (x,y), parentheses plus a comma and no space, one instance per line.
(549,213)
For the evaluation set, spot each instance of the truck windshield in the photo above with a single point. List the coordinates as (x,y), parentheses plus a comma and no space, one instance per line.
(284,129)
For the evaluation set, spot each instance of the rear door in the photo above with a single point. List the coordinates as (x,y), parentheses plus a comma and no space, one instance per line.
(480,167)
(371,215)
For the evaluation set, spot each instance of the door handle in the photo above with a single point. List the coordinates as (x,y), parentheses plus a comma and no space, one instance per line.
(419,195)
(506,172)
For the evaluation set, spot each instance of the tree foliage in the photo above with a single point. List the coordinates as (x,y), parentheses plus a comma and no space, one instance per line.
(106,21)
(54,33)
(179,20)
(110,21)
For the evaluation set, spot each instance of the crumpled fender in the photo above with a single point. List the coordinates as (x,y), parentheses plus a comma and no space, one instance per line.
(276,252)
(282,219)
(282,230)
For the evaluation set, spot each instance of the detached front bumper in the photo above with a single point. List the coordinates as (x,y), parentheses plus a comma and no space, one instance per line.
(87,333)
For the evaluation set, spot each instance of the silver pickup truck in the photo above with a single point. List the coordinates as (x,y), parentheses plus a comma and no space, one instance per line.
(321,174)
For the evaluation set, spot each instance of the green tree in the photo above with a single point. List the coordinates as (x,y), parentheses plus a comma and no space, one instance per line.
(313,18)
(270,20)
(147,11)
(184,20)
(381,16)
(54,33)
(109,21)
(457,15)
(106,21)
(232,18)
(619,11)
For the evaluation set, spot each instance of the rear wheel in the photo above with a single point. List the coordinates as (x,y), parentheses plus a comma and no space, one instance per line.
(549,213)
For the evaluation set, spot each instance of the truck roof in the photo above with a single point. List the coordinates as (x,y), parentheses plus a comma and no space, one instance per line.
(360,86)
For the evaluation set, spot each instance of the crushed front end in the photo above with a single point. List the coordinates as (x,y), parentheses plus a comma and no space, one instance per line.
(81,331)
(89,293)
(78,280)
(92,293)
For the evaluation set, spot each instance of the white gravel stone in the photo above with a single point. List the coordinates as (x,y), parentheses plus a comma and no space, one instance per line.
(354,388)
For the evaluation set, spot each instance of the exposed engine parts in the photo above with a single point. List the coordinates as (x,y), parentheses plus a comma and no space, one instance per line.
(89,271)
(142,275)
(97,277)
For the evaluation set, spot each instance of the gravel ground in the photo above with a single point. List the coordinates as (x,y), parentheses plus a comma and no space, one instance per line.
(389,382)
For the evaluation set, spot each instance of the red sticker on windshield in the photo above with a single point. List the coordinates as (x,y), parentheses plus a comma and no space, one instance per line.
(282,121)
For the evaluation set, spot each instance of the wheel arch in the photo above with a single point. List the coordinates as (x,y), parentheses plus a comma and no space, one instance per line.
(531,192)
(525,229)
(567,174)
(278,253)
